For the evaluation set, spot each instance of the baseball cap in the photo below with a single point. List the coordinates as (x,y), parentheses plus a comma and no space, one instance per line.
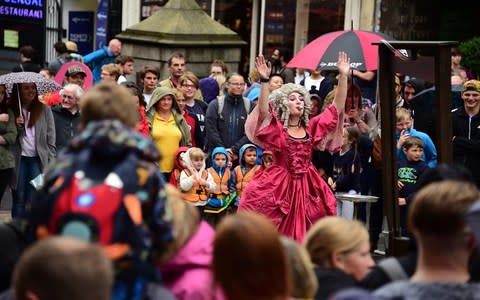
(71,46)
(471,85)
(75,70)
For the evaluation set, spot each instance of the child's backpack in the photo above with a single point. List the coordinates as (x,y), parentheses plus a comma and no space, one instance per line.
(109,211)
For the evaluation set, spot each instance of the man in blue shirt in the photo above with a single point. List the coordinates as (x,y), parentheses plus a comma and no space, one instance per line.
(103,56)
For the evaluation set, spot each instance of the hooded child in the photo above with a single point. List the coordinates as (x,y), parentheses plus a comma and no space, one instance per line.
(195,182)
(179,166)
(246,170)
(221,196)
(266,161)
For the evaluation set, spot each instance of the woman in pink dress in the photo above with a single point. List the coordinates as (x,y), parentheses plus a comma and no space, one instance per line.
(291,193)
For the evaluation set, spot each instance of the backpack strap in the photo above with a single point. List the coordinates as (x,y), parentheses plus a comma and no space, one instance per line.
(221,103)
(247,104)
(392,267)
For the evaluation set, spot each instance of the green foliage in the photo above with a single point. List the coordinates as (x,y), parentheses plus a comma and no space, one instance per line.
(471,54)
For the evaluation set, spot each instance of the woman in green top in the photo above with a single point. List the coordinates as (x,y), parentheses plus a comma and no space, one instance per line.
(168,128)
(8,135)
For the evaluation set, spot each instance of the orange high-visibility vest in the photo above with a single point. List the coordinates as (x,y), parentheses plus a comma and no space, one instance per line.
(197,192)
(221,184)
(243,179)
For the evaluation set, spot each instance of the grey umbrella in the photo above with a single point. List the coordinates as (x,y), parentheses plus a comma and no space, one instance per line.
(44,85)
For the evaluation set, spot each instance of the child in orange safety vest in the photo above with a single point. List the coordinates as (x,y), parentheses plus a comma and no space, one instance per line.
(221,176)
(221,198)
(246,170)
(195,181)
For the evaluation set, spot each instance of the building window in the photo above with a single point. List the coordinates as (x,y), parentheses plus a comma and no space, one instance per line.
(279,24)
(324,17)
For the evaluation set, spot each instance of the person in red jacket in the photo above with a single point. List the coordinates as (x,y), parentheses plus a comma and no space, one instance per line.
(137,96)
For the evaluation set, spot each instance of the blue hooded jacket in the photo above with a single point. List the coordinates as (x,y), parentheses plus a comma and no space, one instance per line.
(220,171)
(241,152)
(241,163)
(215,151)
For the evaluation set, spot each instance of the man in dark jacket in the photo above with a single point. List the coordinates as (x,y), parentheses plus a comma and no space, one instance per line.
(227,128)
(466,129)
(27,53)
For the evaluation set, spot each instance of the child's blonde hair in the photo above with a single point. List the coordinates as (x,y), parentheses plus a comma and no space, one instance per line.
(402,114)
(196,154)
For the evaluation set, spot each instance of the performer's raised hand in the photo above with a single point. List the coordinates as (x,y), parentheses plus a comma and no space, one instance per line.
(343,63)
(263,67)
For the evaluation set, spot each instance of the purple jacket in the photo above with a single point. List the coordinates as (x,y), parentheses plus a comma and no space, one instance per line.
(188,275)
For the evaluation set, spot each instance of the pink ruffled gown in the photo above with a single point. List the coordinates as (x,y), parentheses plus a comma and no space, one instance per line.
(291,192)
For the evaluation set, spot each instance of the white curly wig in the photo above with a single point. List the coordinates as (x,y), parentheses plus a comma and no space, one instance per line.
(279,101)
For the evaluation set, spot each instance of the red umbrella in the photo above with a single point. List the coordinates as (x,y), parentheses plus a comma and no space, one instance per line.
(322,53)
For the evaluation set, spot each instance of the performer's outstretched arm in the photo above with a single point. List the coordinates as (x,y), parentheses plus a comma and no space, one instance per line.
(343,66)
(264,69)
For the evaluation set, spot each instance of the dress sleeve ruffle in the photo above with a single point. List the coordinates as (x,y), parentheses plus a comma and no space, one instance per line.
(267,134)
(326,129)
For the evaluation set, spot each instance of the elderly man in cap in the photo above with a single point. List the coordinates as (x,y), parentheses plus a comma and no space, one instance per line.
(75,75)
(466,129)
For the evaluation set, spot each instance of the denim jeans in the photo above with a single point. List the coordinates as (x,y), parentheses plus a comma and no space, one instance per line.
(29,168)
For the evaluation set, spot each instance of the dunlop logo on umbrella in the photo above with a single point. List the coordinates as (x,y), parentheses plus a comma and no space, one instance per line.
(355,65)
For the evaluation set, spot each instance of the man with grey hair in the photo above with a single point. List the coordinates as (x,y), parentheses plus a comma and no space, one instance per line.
(67,114)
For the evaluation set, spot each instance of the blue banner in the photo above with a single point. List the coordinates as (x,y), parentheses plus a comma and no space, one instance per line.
(80,30)
(102,21)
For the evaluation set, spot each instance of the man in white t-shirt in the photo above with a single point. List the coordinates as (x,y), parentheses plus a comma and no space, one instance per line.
(126,64)
(322,85)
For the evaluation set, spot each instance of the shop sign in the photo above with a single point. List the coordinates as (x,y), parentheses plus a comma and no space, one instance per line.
(29,9)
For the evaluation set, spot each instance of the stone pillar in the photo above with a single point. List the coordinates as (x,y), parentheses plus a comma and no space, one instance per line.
(301,25)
